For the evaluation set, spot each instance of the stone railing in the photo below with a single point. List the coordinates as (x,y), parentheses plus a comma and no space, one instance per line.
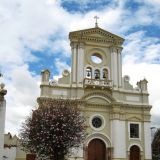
(97,83)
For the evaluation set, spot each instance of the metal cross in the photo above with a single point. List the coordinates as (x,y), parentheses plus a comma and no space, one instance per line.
(96,18)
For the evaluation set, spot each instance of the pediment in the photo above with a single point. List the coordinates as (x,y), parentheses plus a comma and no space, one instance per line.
(96,34)
(98,98)
(134,118)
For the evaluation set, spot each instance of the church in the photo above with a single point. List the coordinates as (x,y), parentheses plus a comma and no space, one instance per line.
(118,115)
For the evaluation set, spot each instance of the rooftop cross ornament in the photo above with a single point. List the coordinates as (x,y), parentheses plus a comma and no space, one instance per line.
(96,18)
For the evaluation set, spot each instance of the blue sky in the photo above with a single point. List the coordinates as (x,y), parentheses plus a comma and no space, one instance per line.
(34,36)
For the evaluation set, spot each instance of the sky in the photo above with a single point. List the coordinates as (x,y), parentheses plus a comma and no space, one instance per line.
(34,36)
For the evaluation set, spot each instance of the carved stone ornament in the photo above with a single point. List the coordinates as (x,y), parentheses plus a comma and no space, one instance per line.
(53,83)
(65,73)
(3,91)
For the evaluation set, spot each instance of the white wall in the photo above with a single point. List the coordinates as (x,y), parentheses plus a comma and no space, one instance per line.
(9,153)
(2,125)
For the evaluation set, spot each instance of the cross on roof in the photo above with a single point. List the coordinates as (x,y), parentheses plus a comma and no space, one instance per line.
(96,18)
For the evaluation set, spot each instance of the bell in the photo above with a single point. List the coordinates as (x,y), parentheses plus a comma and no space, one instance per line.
(96,76)
(104,75)
(88,74)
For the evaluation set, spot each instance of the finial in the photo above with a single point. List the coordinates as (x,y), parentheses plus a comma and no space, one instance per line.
(96,18)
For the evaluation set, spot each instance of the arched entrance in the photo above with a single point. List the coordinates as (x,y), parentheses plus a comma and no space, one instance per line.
(134,153)
(96,150)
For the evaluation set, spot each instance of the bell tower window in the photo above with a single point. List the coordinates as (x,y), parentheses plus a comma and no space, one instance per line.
(97,74)
(88,72)
(96,58)
(105,74)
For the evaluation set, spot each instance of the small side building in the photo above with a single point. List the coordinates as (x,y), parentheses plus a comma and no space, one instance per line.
(12,149)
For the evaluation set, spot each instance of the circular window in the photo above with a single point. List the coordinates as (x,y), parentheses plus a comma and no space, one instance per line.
(97,122)
(96,58)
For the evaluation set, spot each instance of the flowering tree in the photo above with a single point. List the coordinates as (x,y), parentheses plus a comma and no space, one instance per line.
(53,129)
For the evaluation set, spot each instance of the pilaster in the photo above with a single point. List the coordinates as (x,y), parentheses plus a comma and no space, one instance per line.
(119,67)
(74,62)
(80,62)
(147,140)
(114,66)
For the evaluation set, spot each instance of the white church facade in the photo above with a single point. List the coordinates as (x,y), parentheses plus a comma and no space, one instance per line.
(118,115)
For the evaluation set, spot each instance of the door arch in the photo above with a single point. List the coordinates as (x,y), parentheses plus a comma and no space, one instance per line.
(134,153)
(96,150)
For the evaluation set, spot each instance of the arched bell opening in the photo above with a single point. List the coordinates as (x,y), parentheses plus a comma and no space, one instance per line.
(105,74)
(97,74)
(89,72)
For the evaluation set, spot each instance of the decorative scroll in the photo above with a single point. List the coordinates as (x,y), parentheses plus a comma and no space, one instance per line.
(98,83)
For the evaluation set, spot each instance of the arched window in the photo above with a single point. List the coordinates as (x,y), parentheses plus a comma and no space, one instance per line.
(97,74)
(105,74)
(88,72)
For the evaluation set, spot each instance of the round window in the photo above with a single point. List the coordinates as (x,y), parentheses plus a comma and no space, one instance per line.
(96,58)
(97,122)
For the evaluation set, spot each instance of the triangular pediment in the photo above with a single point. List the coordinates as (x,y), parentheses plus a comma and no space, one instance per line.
(95,34)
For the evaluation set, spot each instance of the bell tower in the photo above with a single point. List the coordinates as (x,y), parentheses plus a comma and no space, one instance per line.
(96,58)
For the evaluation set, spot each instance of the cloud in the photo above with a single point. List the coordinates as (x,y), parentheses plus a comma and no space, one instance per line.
(61,46)
(61,65)
(140,48)
(23,90)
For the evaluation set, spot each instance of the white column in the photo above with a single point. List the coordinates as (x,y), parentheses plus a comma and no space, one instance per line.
(2,126)
(118,139)
(73,69)
(147,140)
(119,69)
(80,61)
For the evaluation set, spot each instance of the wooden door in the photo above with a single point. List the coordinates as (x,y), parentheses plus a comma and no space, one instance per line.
(30,157)
(96,150)
(134,153)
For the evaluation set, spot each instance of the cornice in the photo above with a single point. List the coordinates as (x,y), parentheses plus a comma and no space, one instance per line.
(96,30)
(85,35)
(47,101)
(95,105)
